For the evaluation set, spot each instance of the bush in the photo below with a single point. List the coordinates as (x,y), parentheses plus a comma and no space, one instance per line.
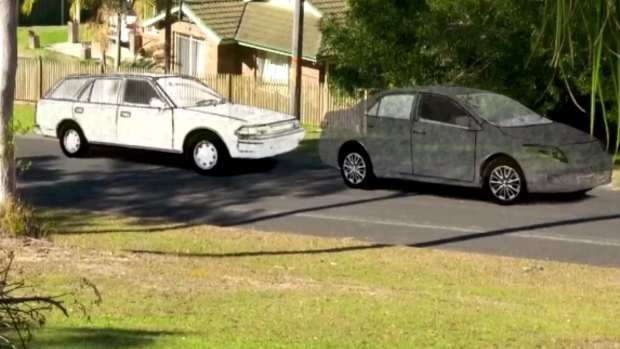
(17,219)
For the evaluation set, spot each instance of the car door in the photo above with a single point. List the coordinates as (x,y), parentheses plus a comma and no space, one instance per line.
(95,110)
(144,120)
(388,135)
(444,139)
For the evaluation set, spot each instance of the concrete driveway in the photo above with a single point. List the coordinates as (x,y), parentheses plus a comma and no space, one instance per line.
(300,195)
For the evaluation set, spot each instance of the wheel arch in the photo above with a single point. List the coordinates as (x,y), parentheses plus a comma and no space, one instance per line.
(351,144)
(489,159)
(198,131)
(64,123)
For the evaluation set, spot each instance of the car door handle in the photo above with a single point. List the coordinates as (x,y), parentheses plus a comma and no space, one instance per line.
(420,132)
(78,110)
(125,114)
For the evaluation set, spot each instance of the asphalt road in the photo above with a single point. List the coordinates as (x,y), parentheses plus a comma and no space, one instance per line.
(299,195)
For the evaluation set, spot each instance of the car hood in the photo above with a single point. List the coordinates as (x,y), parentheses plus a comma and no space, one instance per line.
(551,133)
(242,113)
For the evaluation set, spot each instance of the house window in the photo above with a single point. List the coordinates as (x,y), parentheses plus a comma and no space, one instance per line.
(274,67)
(190,55)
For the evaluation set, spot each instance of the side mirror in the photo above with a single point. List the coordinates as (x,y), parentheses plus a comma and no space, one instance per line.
(157,103)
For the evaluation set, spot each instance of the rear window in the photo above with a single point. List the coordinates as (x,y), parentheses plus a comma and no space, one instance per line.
(67,89)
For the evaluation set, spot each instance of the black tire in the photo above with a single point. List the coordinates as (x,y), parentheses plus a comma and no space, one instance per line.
(504,181)
(364,178)
(69,134)
(215,150)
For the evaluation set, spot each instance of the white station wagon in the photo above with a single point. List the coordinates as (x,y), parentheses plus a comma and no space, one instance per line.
(161,112)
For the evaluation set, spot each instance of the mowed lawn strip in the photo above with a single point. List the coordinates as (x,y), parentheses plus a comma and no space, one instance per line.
(207,287)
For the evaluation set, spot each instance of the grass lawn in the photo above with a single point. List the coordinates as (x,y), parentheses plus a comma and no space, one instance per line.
(23,116)
(173,286)
(48,35)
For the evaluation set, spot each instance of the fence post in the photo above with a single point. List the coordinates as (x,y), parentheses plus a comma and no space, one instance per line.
(40,77)
(230,87)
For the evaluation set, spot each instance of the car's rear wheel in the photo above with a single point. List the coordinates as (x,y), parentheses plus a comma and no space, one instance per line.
(356,168)
(504,181)
(208,154)
(72,141)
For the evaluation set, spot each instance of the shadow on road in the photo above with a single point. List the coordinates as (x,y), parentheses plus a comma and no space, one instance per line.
(151,185)
(424,244)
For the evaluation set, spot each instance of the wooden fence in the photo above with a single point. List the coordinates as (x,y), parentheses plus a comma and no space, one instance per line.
(35,76)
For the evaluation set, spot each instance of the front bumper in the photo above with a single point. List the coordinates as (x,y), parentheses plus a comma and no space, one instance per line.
(585,178)
(270,146)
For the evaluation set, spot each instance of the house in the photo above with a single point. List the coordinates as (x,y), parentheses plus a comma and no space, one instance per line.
(244,38)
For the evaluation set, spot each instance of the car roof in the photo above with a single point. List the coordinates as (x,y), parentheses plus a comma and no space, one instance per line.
(438,89)
(125,75)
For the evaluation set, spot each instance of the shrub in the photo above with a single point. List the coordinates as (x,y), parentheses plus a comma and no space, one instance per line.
(18,219)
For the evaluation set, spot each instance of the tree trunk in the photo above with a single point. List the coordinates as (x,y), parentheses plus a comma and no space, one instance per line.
(167,37)
(8,66)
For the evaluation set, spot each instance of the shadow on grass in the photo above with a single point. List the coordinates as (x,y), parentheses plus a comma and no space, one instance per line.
(98,338)
(422,244)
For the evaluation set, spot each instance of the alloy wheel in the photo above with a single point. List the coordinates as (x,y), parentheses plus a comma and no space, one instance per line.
(505,183)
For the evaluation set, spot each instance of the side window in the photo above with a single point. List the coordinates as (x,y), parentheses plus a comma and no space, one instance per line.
(105,91)
(139,92)
(442,109)
(67,89)
(396,106)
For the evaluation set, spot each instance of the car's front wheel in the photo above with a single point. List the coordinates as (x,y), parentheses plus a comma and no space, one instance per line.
(504,181)
(356,169)
(72,141)
(208,154)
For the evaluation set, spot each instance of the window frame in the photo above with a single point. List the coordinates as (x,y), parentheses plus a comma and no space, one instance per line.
(93,86)
(379,100)
(121,99)
(419,118)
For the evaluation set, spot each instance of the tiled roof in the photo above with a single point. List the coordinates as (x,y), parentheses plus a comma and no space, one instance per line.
(221,16)
(331,8)
(271,27)
(263,24)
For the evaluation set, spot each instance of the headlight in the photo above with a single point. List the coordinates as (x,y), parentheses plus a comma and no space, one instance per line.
(547,151)
(251,131)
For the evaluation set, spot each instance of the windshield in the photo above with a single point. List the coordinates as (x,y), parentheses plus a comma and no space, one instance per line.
(503,111)
(186,92)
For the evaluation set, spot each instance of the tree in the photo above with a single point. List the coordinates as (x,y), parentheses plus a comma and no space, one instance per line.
(8,67)
(383,43)
(587,35)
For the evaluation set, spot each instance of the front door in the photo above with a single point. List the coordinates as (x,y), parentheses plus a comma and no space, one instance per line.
(443,143)
(95,110)
(388,138)
(143,118)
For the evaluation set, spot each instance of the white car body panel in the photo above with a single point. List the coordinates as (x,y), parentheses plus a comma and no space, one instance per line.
(166,128)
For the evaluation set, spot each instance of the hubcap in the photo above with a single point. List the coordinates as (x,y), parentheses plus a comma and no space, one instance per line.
(72,141)
(205,155)
(354,168)
(505,183)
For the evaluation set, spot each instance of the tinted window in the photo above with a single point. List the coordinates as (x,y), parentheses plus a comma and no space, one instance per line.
(105,91)
(68,89)
(139,92)
(396,106)
(440,109)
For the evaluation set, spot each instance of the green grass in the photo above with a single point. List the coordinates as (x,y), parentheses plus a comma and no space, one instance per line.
(48,35)
(207,287)
(23,117)
(309,146)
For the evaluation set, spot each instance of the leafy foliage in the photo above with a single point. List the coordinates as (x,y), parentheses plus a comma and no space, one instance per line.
(487,44)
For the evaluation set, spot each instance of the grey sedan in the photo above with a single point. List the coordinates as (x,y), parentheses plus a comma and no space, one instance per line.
(464,137)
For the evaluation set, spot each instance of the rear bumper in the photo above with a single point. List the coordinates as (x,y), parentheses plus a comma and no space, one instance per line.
(269,147)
